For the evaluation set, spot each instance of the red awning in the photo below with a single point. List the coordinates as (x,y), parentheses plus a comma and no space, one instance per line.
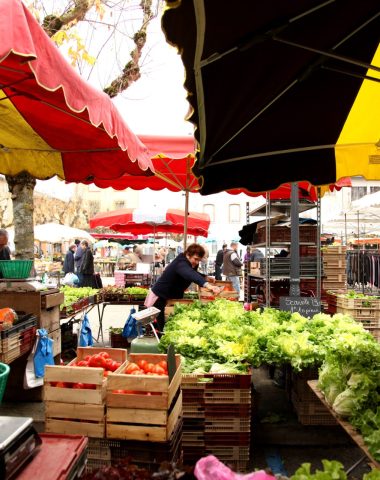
(52,122)
(138,221)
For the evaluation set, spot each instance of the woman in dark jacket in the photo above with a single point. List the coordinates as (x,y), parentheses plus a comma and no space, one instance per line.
(177,277)
(68,264)
(87,269)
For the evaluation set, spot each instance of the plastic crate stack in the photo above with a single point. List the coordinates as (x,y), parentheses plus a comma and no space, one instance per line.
(309,409)
(217,418)
(363,310)
(17,340)
(149,455)
(334,266)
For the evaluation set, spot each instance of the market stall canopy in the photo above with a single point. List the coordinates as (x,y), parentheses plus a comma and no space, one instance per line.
(173,159)
(141,221)
(52,122)
(280,91)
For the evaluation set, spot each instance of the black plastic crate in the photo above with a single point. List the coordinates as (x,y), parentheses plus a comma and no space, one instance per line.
(27,321)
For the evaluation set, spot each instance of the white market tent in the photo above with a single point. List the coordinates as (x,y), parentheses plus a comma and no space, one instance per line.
(54,233)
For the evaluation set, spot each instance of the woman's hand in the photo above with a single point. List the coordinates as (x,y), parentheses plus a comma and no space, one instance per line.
(211,279)
(213,288)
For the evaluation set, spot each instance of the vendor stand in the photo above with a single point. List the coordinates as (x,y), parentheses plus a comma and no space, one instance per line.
(352,432)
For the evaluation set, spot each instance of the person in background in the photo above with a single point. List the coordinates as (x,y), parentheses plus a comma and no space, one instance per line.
(176,278)
(5,253)
(247,255)
(203,266)
(256,255)
(136,255)
(87,270)
(68,263)
(232,266)
(219,262)
(170,255)
(125,260)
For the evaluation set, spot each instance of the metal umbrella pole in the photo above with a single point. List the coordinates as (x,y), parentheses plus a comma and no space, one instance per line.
(295,241)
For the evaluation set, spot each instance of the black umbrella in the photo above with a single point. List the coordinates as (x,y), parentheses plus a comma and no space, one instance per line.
(278,90)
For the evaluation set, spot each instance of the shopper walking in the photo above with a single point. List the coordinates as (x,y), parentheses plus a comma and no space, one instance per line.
(232,266)
(86,269)
(68,263)
(219,262)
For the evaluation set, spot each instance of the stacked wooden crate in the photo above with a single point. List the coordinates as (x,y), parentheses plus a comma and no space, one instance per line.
(149,407)
(18,339)
(309,409)
(217,417)
(78,411)
(334,267)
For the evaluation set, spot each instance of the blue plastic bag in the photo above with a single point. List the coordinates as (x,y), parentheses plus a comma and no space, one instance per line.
(85,338)
(44,353)
(130,327)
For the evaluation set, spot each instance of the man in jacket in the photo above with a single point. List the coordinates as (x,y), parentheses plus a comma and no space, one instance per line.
(232,266)
(219,262)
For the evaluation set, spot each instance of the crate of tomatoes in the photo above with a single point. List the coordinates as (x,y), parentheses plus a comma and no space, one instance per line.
(143,401)
(75,394)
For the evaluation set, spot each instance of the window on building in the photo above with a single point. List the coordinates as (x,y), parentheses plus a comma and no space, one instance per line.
(119,204)
(234,213)
(374,189)
(358,192)
(210,209)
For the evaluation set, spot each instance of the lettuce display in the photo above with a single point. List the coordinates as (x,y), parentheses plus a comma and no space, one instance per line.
(221,332)
(350,380)
(73,294)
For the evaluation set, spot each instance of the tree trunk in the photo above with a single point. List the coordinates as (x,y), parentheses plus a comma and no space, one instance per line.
(21,187)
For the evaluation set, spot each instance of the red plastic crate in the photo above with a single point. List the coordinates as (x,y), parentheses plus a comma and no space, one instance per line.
(60,457)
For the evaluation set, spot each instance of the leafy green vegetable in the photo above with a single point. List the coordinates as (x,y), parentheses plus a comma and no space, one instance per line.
(332,470)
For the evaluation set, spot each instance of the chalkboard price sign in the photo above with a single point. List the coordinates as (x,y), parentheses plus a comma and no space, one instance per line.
(306,306)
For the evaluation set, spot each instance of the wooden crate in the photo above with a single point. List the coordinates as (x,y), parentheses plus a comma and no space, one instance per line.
(355,303)
(73,418)
(143,384)
(170,304)
(74,374)
(143,424)
(152,411)
(56,336)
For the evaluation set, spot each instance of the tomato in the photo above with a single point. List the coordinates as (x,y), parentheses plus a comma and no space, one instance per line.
(60,384)
(149,367)
(158,369)
(82,363)
(163,364)
(104,354)
(119,391)
(53,384)
(131,367)
(137,372)
(105,373)
(89,386)
(97,361)
(141,363)
(87,358)
(78,385)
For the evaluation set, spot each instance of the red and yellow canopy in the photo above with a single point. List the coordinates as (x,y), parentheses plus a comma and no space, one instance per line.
(51,121)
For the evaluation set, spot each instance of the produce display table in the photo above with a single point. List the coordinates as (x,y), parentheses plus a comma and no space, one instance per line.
(138,303)
(352,432)
(106,268)
(131,277)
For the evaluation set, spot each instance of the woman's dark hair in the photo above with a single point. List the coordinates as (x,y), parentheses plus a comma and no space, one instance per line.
(195,249)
